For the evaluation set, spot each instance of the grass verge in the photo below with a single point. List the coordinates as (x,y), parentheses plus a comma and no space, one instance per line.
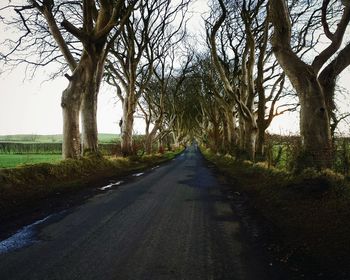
(24,187)
(307,215)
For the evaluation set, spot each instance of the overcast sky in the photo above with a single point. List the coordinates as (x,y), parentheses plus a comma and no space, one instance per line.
(33,107)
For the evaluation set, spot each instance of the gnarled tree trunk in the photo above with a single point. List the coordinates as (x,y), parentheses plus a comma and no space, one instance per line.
(230,128)
(176,138)
(87,74)
(260,145)
(94,69)
(314,118)
(150,139)
(250,135)
(315,126)
(70,103)
(89,123)
(129,106)
(245,96)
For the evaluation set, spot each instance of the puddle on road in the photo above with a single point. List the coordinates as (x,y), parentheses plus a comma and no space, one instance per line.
(111,185)
(138,174)
(23,237)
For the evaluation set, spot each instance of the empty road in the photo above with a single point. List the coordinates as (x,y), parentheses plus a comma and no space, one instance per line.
(170,223)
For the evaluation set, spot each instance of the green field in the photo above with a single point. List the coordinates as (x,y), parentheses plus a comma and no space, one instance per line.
(56,138)
(29,149)
(13,160)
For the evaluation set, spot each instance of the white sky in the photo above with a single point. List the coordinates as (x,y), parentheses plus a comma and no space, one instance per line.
(33,107)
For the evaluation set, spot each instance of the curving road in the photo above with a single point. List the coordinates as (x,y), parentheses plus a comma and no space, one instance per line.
(170,223)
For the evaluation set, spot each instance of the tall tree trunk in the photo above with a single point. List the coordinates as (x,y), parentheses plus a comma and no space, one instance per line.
(250,135)
(150,135)
(176,139)
(314,118)
(127,126)
(261,122)
(89,123)
(231,129)
(216,144)
(148,144)
(150,138)
(70,103)
(98,18)
(241,134)
(94,69)
(315,126)
(168,142)
(225,142)
(161,143)
(260,145)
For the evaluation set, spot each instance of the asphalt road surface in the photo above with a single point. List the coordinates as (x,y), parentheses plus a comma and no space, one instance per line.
(170,223)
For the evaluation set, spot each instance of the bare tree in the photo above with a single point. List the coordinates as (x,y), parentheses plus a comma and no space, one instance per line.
(167,77)
(240,93)
(314,82)
(80,35)
(134,58)
(219,123)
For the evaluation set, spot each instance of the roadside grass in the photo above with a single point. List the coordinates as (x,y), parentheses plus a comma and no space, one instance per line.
(25,186)
(307,216)
(13,160)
